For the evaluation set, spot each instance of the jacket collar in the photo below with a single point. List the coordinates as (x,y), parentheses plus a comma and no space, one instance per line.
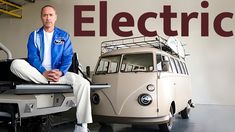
(40,30)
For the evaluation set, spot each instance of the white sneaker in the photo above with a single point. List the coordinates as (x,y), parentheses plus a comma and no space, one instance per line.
(80,129)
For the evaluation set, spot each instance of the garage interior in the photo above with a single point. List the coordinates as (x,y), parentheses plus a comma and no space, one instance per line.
(211,62)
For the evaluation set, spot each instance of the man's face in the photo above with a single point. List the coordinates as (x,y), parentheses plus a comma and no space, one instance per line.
(48,17)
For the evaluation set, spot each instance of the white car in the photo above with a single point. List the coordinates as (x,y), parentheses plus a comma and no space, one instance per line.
(149,81)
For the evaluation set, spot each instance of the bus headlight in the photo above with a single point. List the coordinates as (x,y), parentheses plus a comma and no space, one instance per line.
(151,87)
(95,99)
(145,99)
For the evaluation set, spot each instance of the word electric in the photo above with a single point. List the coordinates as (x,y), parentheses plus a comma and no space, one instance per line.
(125,20)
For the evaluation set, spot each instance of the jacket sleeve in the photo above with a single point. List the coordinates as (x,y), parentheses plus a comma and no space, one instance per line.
(66,55)
(34,54)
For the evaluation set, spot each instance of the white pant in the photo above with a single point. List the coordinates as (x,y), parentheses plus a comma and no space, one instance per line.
(81,87)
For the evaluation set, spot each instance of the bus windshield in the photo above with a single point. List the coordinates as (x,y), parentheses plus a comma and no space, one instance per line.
(141,62)
(108,64)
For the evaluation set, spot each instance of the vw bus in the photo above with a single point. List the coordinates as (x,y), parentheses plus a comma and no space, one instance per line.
(149,80)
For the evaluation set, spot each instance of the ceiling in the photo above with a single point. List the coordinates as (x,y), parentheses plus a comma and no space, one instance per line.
(13,8)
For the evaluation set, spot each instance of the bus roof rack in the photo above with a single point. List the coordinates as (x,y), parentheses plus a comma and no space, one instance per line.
(171,45)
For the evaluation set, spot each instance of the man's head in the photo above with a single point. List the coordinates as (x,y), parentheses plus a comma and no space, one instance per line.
(48,17)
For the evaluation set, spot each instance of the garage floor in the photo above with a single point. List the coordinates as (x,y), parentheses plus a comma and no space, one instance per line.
(203,118)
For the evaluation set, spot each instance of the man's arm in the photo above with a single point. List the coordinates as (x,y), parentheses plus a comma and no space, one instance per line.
(34,54)
(67,55)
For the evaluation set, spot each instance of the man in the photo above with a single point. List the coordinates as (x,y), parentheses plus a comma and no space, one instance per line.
(49,58)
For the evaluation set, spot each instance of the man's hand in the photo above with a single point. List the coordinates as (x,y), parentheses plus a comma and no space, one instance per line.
(53,75)
(46,75)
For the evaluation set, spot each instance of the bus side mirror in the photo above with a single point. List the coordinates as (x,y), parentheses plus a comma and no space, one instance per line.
(88,71)
(165,65)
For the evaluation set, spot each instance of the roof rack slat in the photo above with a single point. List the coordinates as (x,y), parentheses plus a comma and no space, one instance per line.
(142,41)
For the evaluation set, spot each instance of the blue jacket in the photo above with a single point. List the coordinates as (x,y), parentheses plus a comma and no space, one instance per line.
(61,50)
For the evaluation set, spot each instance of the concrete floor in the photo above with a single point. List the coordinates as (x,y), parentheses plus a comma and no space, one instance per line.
(203,118)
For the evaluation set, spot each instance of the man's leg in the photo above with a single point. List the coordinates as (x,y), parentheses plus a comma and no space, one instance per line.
(24,70)
(81,90)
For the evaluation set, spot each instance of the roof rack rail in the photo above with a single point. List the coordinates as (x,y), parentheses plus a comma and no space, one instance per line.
(172,45)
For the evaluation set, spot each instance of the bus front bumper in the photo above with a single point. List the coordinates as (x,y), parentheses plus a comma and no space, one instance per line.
(131,120)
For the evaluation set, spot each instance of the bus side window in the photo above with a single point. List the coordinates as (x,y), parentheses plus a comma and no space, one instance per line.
(166,59)
(182,67)
(163,61)
(159,62)
(185,68)
(173,65)
(178,66)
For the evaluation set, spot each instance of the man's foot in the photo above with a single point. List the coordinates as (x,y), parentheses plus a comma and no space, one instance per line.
(80,128)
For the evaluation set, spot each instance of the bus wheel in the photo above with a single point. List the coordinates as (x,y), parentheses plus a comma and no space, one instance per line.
(185,113)
(166,127)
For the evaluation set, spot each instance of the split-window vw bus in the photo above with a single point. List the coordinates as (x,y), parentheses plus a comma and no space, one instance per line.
(149,81)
